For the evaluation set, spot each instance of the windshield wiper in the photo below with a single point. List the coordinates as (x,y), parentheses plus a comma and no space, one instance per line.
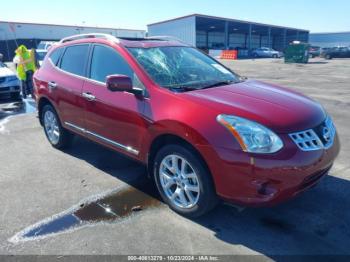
(182,88)
(220,83)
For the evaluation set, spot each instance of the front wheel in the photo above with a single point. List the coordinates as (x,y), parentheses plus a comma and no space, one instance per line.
(183,181)
(58,136)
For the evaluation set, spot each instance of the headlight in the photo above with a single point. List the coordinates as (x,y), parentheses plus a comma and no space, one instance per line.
(251,136)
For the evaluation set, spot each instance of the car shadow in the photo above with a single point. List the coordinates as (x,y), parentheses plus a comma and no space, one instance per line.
(315,223)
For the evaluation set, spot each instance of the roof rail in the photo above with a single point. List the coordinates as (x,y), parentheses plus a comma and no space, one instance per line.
(90,35)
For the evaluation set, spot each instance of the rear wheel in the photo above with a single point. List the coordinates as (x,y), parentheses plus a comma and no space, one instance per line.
(58,136)
(328,57)
(183,181)
(274,56)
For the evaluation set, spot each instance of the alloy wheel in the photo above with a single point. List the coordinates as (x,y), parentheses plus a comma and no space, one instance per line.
(179,181)
(51,127)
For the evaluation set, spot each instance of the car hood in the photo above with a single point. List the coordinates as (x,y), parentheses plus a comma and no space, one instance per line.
(278,108)
(4,71)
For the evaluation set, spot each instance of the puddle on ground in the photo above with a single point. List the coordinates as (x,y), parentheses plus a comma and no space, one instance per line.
(109,207)
(24,106)
(8,109)
(3,123)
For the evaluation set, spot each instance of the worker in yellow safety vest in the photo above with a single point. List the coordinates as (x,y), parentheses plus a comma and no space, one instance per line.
(25,61)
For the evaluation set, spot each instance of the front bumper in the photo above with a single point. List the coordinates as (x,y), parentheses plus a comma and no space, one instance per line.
(8,86)
(265,180)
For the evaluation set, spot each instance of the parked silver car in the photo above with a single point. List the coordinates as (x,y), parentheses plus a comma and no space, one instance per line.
(266,52)
(9,83)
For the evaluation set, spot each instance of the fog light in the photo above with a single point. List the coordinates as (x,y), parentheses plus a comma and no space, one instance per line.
(265,188)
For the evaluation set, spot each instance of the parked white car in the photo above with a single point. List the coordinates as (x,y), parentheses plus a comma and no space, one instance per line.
(266,52)
(9,82)
(45,45)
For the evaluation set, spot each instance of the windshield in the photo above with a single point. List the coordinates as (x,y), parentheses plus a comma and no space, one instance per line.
(182,67)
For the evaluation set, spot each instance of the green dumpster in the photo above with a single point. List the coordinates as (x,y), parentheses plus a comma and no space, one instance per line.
(297,52)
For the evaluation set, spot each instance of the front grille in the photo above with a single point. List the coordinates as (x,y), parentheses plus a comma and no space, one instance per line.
(307,140)
(3,89)
(326,132)
(317,138)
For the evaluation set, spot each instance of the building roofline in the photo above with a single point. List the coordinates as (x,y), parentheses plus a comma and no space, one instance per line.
(173,19)
(227,19)
(44,24)
(326,33)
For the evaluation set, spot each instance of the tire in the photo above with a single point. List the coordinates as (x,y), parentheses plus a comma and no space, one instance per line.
(58,137)
(197,178)
(274,56)
(328,57)
(255,55)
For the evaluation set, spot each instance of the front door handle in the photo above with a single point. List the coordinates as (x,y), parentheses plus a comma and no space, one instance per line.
(52,85)
(89,96)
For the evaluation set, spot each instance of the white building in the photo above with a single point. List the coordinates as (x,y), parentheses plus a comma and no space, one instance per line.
(211,32)
(30,34)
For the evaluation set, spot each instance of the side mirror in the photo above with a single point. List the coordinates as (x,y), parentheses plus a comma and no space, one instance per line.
(122,83)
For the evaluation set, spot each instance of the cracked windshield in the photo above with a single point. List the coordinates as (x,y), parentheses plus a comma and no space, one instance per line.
(182,68)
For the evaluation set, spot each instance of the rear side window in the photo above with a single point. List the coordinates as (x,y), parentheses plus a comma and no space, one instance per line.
(74,59)
(106,61)
(55,56)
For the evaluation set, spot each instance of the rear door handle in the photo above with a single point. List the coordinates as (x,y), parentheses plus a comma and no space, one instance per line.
(52,85)
(88,96)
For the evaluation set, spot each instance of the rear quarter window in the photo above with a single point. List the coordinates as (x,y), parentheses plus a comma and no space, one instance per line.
(55,56)
(74,59)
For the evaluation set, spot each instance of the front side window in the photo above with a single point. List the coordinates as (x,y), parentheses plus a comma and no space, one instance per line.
(182,67)
(105,62)
(74,59)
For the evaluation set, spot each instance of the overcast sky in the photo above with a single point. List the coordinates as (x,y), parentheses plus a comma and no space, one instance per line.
(314,15)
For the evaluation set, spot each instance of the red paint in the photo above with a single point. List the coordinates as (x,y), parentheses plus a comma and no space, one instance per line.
(249,179)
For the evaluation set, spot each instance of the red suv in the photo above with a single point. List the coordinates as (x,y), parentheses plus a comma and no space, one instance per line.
(203,131)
